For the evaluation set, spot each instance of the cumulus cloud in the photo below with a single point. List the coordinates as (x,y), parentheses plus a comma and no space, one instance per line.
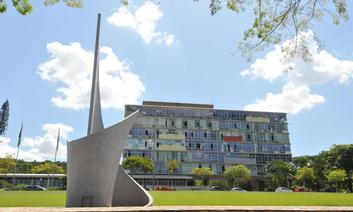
(143,21)
(292,99)
(299,75)
(71,66)
(39,148)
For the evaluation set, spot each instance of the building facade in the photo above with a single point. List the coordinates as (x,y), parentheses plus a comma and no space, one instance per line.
(198,135)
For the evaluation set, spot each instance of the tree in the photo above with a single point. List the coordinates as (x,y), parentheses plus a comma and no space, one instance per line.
(24,7)
(4,117)
(173,166)
(280,173)
(237,174)
(7,165)
(336,177)
(341,156)
(305,175)
(47,168)
(275,20)
(138,164)
(203,173)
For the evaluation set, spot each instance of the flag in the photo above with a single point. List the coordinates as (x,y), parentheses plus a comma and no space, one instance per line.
(20,136)
(57,142)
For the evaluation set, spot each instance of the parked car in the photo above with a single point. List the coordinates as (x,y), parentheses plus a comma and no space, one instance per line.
(238,189)
(283,189)
(215,188)
(35,188)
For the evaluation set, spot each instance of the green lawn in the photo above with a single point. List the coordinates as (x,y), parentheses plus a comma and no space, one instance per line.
(57,198)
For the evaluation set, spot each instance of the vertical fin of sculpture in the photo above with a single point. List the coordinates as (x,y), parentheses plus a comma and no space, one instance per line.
(95,121)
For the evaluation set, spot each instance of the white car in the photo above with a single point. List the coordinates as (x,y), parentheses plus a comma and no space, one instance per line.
(283,189)
(238,189)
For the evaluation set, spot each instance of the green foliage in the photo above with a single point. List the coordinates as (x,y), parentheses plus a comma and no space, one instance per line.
(341,157)
(203,173)
(4,113)
(305,175)
(7,164)
(237,174)
(139,164)
(24,7)
(279,173)
(336,177)
(198,183)
(4,184)
(47,168)
(173,165)
(19,187)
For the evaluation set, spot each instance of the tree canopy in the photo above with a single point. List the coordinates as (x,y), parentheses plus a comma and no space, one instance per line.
(280,173)
(203,173)
(47,168)
(7,164)
(138,164)
(305,175)
(237,174)
(25,7)
(173,166)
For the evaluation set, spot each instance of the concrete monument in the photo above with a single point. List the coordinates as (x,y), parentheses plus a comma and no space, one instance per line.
(94,176)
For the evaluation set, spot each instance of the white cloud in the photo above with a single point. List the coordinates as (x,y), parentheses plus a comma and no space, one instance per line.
(72,66)
(39,148)
(292,99)
(298,75)
(143,21)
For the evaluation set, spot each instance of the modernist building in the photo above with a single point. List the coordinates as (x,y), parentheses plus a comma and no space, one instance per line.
(199,135)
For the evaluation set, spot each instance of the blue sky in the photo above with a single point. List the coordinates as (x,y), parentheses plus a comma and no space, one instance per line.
(172,51)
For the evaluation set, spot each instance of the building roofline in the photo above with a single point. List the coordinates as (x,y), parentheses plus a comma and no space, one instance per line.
(177,104)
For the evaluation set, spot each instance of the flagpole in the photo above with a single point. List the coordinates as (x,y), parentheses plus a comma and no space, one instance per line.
(56,152)
(18,149)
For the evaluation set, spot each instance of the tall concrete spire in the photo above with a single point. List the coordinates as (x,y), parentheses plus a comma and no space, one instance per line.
(95,121)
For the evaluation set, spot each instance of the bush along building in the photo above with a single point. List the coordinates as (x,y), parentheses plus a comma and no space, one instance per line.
(198,136)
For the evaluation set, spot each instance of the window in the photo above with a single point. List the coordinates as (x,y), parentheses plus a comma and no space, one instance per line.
(198,146)
(145,143)
(197,124)
(211,146)
(248,137)
(209,124)
(173,123)
(185,124)
(146,132)
(235,125)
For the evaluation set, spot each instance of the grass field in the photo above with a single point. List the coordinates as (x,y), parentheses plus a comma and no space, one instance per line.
(57,198)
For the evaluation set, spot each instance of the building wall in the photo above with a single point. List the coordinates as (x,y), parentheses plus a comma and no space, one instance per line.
(201,136)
